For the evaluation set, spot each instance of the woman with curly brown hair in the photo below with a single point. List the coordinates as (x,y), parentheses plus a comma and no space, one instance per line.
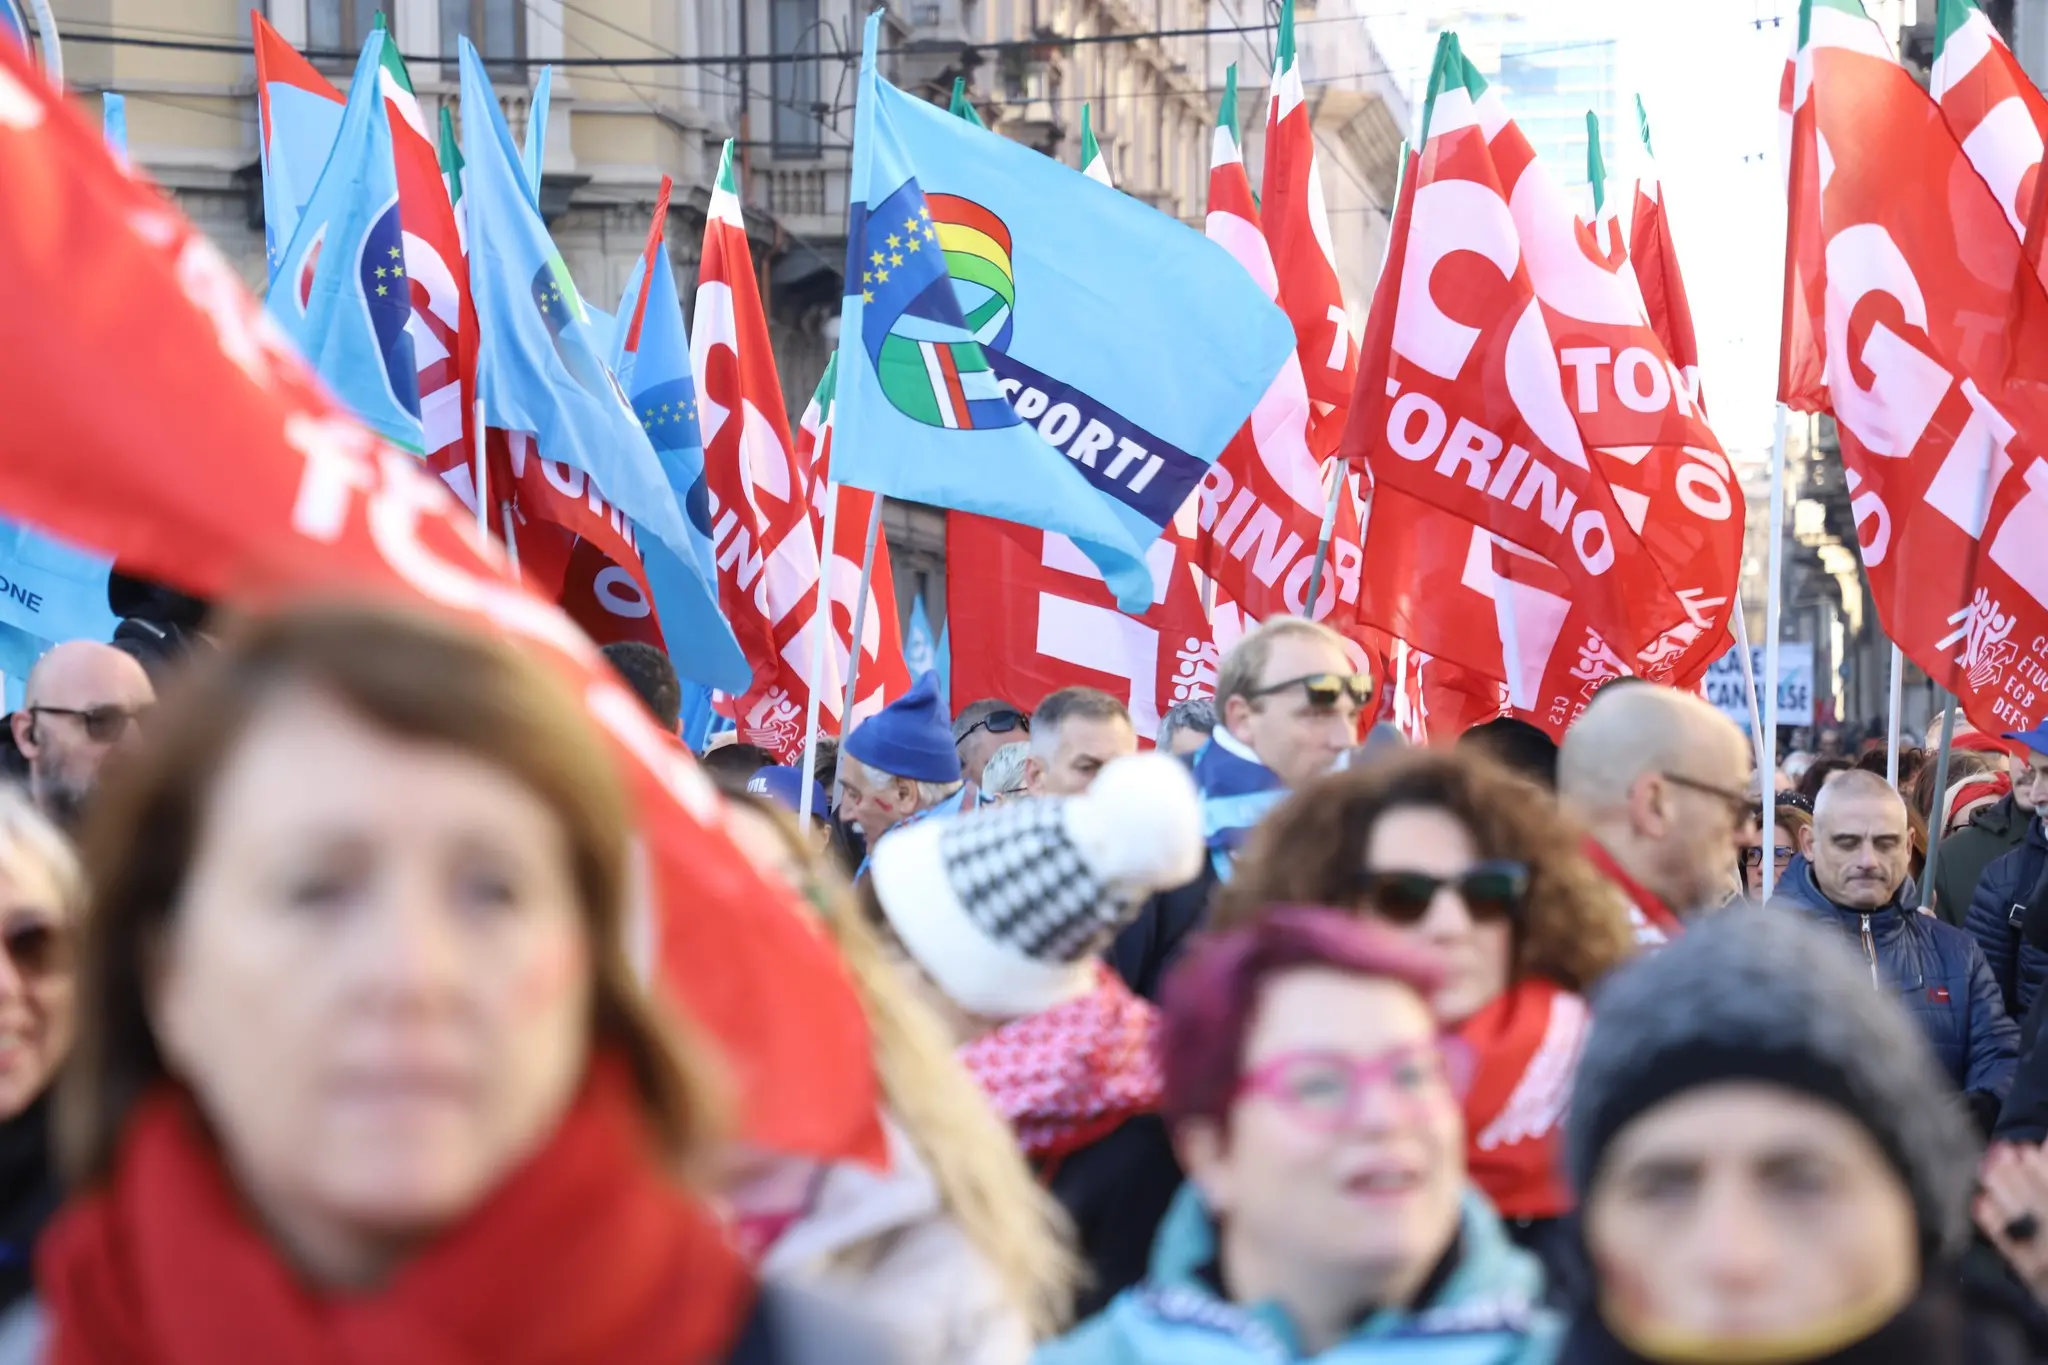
(1480,864)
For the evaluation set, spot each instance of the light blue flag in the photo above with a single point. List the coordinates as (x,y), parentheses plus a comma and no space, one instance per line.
(541,368)
(1020,341)
(49,592)
(701,724)
(340,292)
(535,148)
(114,121)
(652,361)
(942,664)
(920,650)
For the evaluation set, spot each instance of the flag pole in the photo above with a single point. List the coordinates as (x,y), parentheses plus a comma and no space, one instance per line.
(1510,630)
(1773,576)
(1897,697)
(821,626)
(860,612)
(1940,815)
(482,476)
(1315,577)
(511,540)
(1756,720)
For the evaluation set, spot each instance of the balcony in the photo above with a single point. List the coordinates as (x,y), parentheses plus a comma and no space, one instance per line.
(808,200)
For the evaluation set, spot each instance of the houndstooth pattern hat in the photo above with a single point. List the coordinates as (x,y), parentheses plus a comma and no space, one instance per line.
(1007,908)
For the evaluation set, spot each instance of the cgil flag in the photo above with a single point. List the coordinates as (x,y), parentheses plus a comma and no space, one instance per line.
(1655,258)
(1297,224)
(1993,109)
(1917,321)
(340,292)
(1003,313)
(541,369)
(883,674)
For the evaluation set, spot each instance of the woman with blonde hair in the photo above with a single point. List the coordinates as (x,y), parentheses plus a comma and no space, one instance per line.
(956,1250)
(362,1070)
(42,899)
(1454,850)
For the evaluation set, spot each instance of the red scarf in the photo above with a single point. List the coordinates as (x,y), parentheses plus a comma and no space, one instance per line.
(587,1253)
(1649,916)
(1525,1049)
(1071,1075)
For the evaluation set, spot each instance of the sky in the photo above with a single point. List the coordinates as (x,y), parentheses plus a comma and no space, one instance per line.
(1708,72)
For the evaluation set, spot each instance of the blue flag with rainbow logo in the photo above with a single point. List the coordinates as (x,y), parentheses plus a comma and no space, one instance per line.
(1020,341)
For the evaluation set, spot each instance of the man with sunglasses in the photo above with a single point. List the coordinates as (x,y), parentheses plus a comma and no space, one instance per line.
(1660,781)
(979,730)
(83,700)
(1289,702)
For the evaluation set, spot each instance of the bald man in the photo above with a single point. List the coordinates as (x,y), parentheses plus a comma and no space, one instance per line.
(1851,876)
(83,700)
(1660,780)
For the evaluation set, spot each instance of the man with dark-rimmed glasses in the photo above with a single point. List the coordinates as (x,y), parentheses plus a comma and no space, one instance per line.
(1290,701)
(82,701)
(1661,782)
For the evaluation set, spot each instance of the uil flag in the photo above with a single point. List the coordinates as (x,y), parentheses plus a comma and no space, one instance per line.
(534,149)
(1512,379)
(762,541)
(1018,342)
(1655,258)
(300,113)
(341,293)
(920,649)
(650,353)
(541,369)
(1297,225)
(1991,106)
(1942,422)
(114,123)
(884,674)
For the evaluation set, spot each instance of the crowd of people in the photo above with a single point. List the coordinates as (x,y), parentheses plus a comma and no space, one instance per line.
(321,1039)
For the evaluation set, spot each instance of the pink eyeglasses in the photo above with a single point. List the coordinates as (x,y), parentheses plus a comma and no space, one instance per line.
(1326,1089)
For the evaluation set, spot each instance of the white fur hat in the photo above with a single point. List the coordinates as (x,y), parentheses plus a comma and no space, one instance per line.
(1006,908)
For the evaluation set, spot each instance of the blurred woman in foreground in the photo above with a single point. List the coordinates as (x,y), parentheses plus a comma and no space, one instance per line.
(362,1072)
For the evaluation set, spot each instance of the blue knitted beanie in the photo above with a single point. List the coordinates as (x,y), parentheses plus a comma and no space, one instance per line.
(911,737)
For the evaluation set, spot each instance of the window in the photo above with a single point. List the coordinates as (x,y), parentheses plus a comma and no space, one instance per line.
(497,27)
(793,27)
(337,26)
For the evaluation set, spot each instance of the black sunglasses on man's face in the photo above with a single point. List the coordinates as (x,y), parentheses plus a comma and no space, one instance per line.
(997,723)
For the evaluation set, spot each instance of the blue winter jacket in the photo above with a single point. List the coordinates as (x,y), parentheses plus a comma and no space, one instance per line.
(1488,1312)
(1997,909)
(1937,970)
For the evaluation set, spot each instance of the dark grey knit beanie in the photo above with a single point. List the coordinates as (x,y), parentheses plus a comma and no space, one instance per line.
(1763,995)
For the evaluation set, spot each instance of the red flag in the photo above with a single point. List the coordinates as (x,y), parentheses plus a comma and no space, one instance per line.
(200,450)
(1654,257)
(1297,224)
(1512,381)
(1932,327)
(766,551)
(883,675)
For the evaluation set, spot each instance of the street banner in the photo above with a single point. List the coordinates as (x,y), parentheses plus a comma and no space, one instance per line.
(227,470)
(1727,688)
(1915,319)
